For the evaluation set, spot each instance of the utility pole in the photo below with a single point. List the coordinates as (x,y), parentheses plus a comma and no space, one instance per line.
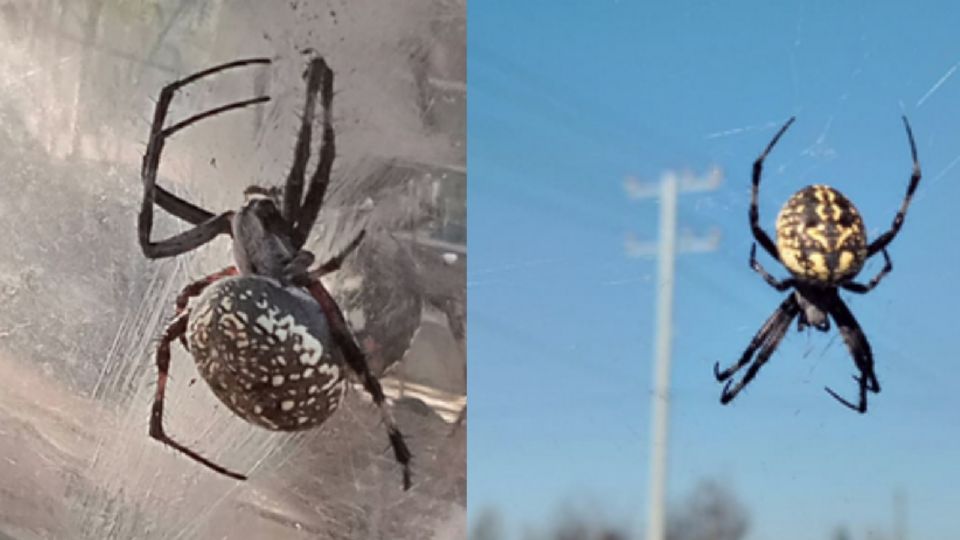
(900,514)
(671,184)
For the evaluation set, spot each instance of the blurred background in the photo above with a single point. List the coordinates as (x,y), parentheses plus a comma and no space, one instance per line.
(83,308)
(577,113)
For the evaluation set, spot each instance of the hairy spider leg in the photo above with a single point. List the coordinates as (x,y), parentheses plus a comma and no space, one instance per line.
(885,238)
(296,272)
(210,227)
(860,351)
(357,361)
(334,263)
(860,288)
(197,287)
(861,406)
(180,208)
(293,189)
(758,231)
(318,74)
(176,329)
(758,268)
(773,333)
(856,341)
(784,313)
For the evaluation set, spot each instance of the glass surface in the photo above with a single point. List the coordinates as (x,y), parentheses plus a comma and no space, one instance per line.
(576,113)
(84,309)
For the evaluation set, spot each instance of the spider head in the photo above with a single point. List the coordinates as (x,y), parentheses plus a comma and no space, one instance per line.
(821,237)
(261,200)
(261,209)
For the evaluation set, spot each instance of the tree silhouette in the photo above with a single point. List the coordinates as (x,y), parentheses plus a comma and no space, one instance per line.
(712,512)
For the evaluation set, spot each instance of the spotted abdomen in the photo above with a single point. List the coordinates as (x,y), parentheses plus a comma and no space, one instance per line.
(266,353)
(820,236)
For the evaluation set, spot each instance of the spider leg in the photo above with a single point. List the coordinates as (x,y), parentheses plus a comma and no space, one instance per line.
(758,231)
(296,271)
(180,243)
(172,332)
(357,362)
(307,214)
(198,286)
(333,263)
(758,268)
(293,189)
(860,288)
(164,198)
(861,405)
(771,340)
(207,226)
(787,310)
(885,238)
(859,348)
(194,289)
(180,208)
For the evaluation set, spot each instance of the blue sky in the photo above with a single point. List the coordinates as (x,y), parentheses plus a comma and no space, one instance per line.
(567,100)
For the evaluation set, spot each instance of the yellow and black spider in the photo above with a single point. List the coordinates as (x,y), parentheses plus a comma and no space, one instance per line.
(822,241)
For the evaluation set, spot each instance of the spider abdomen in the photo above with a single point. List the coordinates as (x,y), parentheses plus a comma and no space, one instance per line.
(820,236)
(267,353)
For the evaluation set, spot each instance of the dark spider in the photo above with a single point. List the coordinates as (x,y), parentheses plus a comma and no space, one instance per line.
(265,333)
(822,241)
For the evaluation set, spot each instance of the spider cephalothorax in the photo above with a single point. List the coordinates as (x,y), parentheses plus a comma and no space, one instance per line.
(822,241)
(265,333)
(262,239)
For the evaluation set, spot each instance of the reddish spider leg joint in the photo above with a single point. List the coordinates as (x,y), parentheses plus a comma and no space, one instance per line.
(174,330)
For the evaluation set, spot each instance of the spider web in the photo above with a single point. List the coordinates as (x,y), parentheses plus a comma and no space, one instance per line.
(84,309)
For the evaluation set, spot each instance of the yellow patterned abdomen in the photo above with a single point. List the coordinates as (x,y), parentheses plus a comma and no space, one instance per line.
(820,236)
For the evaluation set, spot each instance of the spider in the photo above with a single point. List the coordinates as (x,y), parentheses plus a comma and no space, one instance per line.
(265,333)
(822,242)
